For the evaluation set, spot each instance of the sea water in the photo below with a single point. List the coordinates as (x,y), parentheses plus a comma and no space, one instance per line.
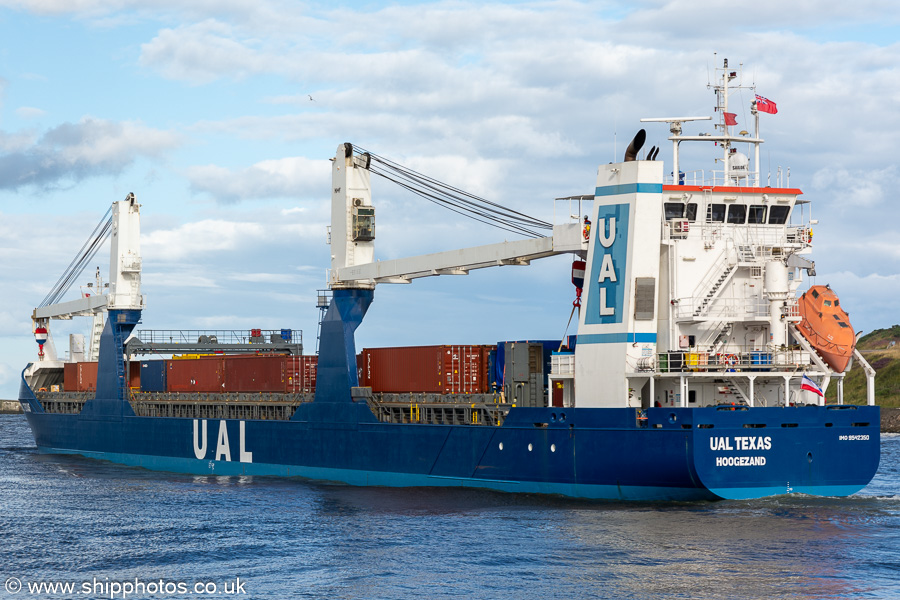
(109,531)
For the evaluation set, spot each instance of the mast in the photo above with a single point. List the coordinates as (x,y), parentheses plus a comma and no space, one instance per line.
(730,159)
(722,135)
(722,108)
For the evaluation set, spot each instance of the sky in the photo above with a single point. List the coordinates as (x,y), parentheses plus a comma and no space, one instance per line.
(221,116)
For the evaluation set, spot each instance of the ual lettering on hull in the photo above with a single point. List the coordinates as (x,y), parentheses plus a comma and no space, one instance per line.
(223,445)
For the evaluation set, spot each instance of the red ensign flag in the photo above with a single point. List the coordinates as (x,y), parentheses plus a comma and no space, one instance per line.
(765,105)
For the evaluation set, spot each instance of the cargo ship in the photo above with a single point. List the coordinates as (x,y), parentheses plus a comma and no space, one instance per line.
(695,373)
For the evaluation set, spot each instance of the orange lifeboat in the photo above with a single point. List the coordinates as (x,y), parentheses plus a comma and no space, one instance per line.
(826,326)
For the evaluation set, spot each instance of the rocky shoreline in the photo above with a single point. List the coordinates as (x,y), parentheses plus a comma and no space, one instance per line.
(10,407)
(890,420)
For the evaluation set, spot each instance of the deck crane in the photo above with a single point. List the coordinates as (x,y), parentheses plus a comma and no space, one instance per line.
(124,288)
(354,272)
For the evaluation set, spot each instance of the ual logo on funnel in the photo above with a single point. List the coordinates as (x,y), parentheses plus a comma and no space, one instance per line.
(608,265)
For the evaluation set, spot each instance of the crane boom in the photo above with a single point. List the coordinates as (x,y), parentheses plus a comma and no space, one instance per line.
(353,235)
(81,307)
(565,239)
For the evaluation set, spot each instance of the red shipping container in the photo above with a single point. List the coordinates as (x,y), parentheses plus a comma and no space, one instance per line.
(465,369)
(245,373)
(301,373)
(70,377)
(87,376)
(403,370)
(80,377)
(206,374)
(134,377)
(255,373)
(444,369)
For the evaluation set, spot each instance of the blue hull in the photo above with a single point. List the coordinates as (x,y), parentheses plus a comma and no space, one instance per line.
(594,453)
(597,453)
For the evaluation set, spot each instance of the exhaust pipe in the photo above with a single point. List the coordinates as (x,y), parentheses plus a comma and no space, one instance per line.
(635,146)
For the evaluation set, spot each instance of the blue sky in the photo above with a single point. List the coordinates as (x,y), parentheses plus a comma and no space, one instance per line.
(201,108)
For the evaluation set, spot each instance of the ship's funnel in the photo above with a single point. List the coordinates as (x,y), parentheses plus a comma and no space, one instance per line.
(635,146)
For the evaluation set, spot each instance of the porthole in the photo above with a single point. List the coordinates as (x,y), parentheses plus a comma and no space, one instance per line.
(530,447)
(501,445)
(552,447)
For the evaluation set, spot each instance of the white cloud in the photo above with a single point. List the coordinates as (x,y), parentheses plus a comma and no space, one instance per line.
(174,279)
(268,278)
(203,52)
(286,177)
(74,151)
(852,190)
(199,238)
(30,112)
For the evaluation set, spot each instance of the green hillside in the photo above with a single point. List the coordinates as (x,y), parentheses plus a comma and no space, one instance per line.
(882,349)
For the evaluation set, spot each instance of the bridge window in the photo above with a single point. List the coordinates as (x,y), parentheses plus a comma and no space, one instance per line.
(674,210)
(779,215)
(737,214)
(679,210)
(715,213)
(757,214)
(690,212)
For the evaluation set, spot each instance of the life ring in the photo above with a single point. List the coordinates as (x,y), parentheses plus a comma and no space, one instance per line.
(730,360)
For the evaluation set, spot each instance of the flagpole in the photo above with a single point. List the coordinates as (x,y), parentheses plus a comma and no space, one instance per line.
(726,144)
(756,144)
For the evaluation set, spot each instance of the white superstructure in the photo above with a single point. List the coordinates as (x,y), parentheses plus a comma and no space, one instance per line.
(693,300)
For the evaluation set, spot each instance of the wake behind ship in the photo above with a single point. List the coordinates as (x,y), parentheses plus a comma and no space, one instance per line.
(696,371)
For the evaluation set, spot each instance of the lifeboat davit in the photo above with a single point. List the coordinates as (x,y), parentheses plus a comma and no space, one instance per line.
(826,326)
